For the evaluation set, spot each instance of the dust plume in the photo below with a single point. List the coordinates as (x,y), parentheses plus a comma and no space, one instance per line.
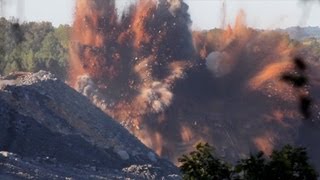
(223,14)
(246,68)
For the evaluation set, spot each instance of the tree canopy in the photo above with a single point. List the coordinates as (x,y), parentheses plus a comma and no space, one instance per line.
(288,163)
(33,46)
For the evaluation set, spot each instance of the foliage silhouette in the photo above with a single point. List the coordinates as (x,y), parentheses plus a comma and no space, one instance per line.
(289,163)
(201,164)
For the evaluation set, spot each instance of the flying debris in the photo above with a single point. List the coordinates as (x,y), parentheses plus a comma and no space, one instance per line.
(300,81)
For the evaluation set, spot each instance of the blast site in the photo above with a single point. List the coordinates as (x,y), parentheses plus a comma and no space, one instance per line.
(138,87)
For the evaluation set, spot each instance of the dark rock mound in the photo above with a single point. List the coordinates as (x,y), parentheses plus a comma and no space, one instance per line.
(48,130)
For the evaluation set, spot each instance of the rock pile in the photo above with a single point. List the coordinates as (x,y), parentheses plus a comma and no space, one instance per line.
(50,131)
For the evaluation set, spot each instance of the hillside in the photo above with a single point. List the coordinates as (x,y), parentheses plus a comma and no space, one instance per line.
(51,131)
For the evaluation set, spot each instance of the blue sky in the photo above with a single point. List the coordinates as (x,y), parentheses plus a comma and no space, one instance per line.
(206,14)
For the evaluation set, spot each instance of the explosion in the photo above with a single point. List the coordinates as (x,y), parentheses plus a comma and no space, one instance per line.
(128,64)
(172,87)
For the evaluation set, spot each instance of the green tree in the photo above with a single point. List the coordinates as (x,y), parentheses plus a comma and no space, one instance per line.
(201,164)
(252,168)
(52,56)
(62,33)
(32,46)
(289,163)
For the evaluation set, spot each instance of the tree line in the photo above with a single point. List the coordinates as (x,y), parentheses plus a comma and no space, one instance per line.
(33,46)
